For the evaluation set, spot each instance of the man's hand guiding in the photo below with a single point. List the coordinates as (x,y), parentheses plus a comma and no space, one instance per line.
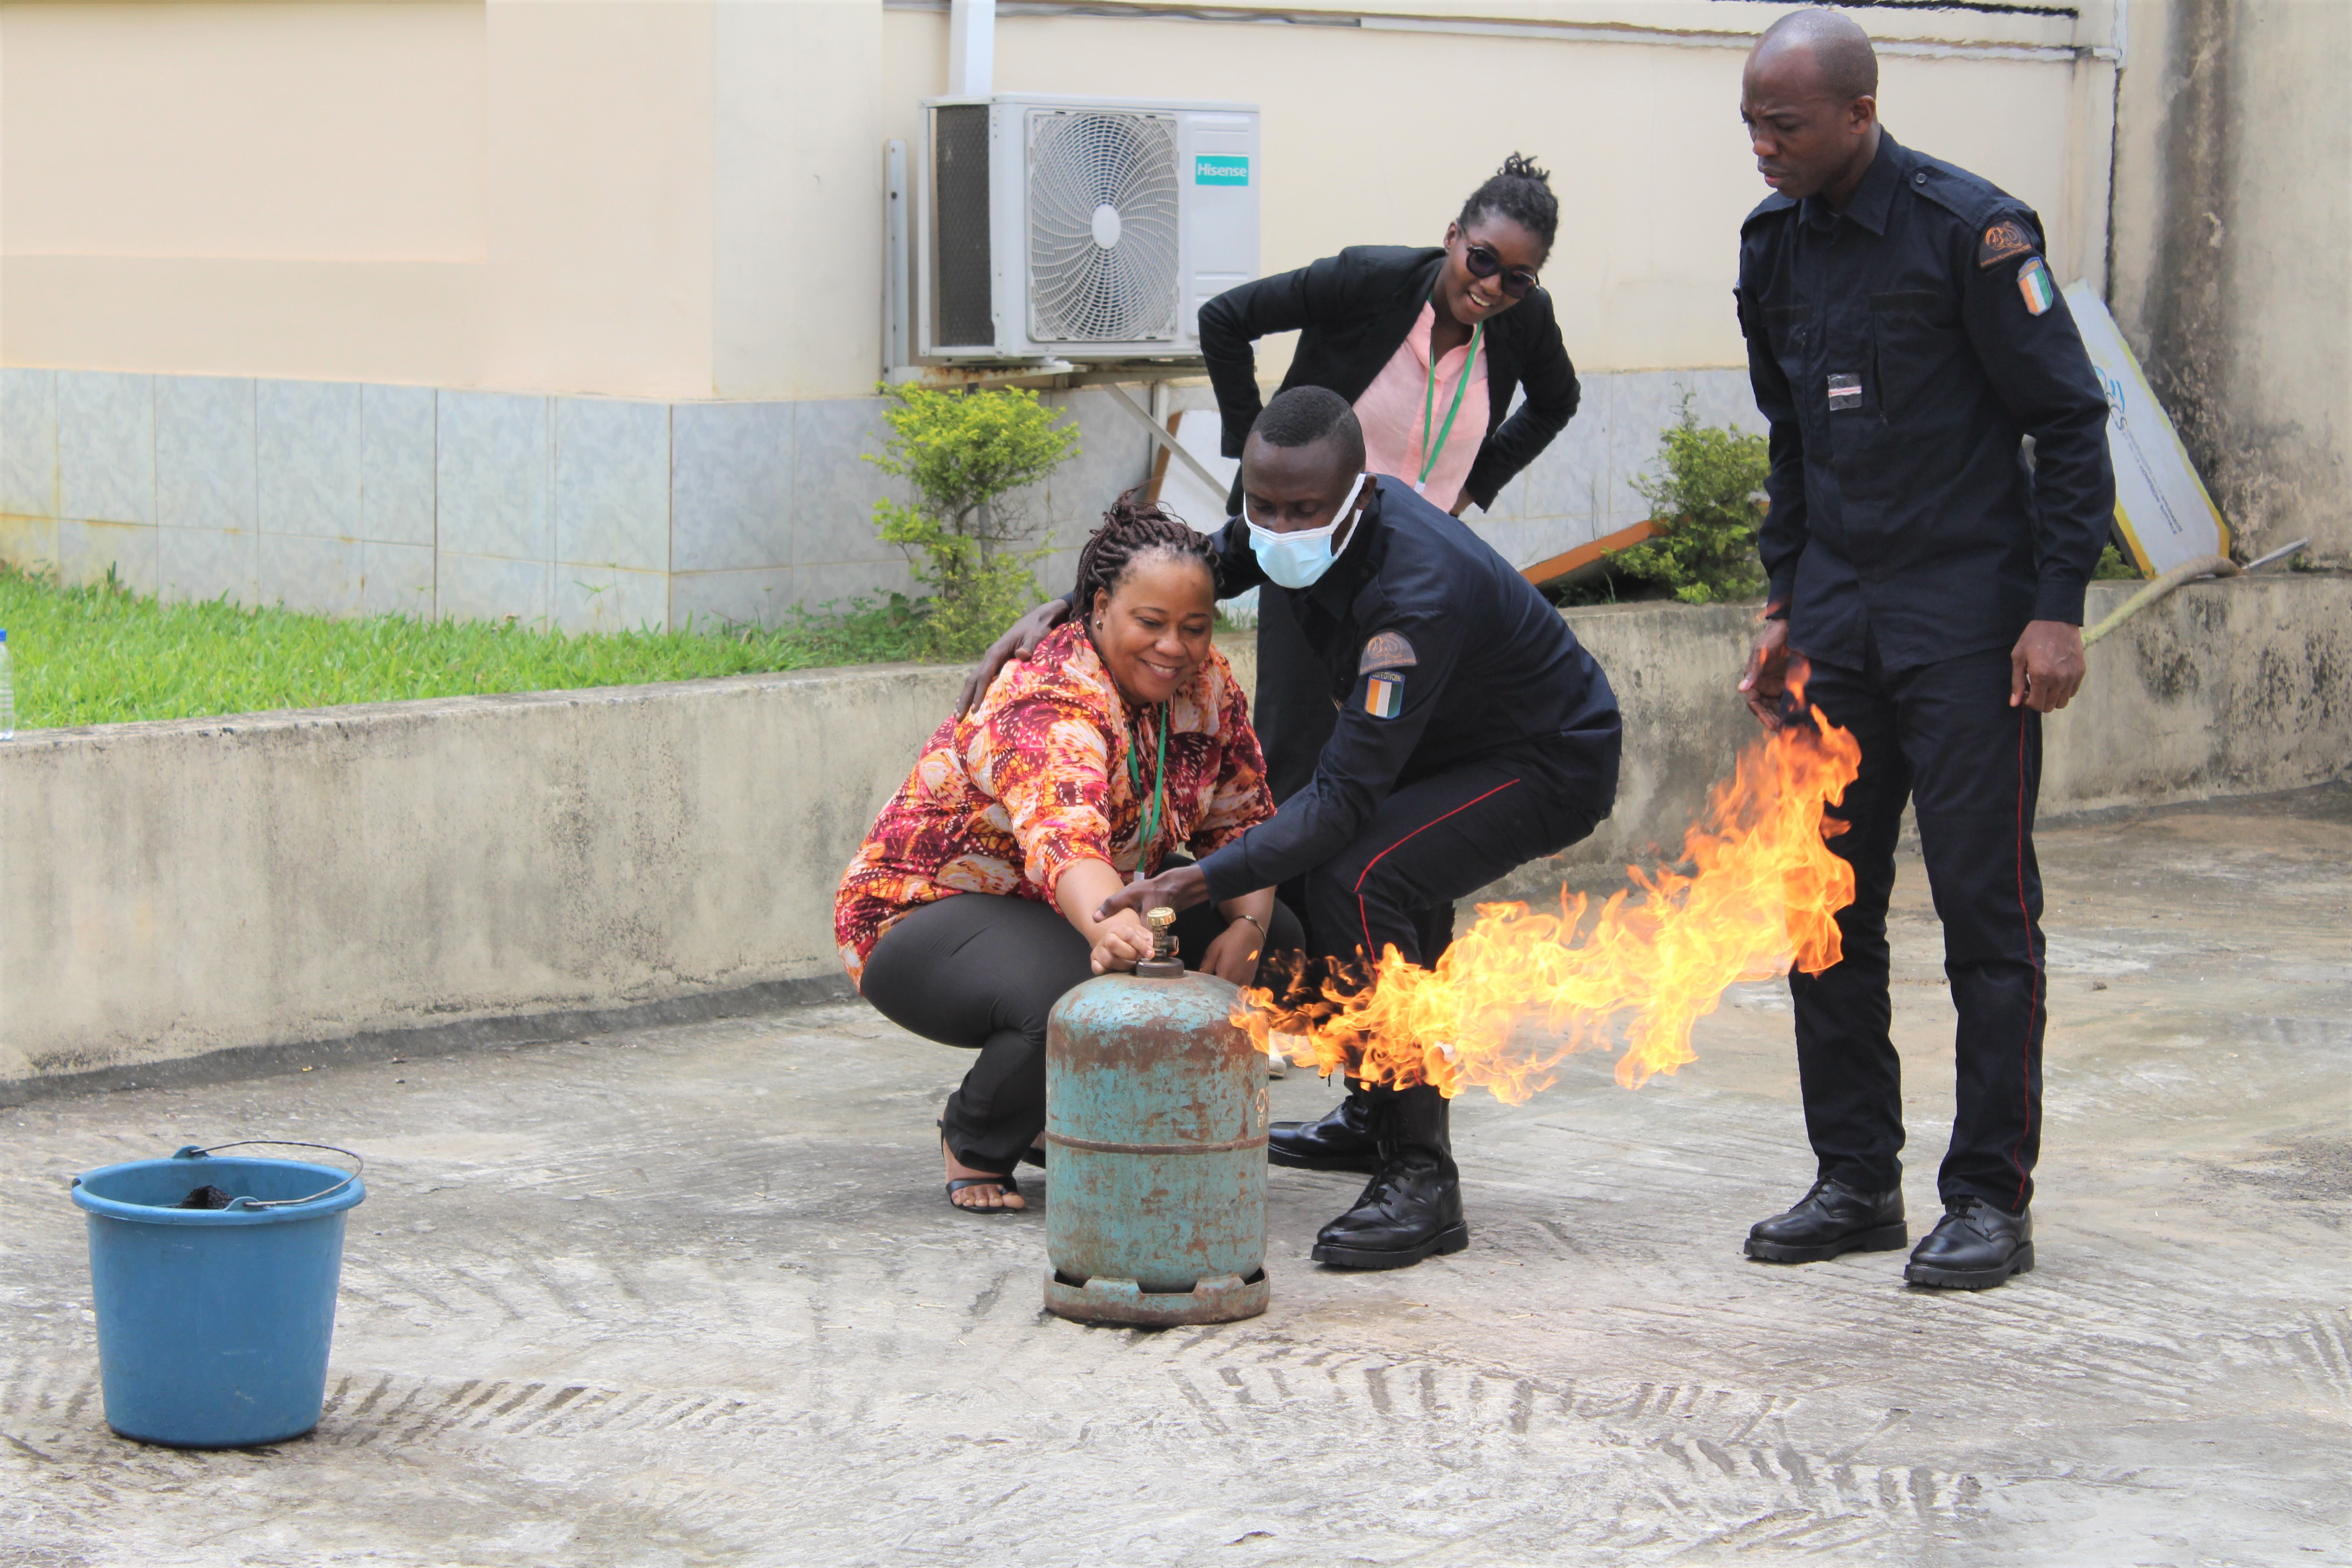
(1019,641)
(1179,888)
(1766,677)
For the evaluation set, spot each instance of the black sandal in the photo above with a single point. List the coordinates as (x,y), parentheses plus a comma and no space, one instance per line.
(1011,1190)
(1033,1156)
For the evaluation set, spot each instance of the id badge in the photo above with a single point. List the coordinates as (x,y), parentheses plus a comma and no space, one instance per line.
(1845,391)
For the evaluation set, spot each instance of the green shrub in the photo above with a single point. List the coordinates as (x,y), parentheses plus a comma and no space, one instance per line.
(1707,505)
(964,452)
(2114,567)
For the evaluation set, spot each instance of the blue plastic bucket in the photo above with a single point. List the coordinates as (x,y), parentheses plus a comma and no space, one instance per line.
(214,1324)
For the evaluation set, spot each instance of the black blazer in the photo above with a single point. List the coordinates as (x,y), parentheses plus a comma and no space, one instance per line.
(1351,311)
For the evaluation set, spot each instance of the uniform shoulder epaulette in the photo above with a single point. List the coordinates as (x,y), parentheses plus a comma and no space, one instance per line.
(1775,202)
(2004,227)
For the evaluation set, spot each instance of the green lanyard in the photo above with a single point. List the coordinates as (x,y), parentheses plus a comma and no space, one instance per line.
(1152,813)
(1429,406)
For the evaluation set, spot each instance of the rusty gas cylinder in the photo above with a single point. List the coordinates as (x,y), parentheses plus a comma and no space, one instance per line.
(1155,1149)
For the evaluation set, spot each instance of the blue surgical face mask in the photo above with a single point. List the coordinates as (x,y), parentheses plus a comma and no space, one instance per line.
(1297,560)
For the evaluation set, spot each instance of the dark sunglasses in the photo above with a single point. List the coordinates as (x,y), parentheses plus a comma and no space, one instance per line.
(1484,261)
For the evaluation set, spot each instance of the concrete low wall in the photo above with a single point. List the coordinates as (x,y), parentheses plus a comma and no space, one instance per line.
(425,876)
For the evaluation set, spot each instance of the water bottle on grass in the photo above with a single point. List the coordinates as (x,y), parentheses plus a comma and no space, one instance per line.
(8,694)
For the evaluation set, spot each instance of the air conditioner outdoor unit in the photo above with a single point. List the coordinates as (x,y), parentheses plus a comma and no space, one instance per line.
(1079,228)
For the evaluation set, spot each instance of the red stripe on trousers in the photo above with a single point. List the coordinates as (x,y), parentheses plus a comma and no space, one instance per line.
(2025,1086)
(1364,919)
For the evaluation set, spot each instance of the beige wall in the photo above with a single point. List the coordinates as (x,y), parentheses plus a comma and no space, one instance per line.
(545,221)
(678,198)
(2233,251)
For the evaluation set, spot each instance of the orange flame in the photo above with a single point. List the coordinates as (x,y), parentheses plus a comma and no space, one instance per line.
(1759,899)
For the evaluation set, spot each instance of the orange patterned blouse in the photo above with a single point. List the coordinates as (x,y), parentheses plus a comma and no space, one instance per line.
(1006,798)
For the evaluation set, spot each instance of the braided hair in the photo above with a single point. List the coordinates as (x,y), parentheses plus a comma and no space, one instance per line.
(1133,530)
(1519,190)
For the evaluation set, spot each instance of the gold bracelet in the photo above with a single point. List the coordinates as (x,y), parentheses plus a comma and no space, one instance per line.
(1262,933)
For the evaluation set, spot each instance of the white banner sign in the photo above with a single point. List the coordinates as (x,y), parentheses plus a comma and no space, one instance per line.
(2161,507)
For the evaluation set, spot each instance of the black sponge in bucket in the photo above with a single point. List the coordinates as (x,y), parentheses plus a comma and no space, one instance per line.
(206,1197)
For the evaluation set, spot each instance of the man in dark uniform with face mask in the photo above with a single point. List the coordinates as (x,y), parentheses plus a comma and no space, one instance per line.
(1905,336)
(1473,734)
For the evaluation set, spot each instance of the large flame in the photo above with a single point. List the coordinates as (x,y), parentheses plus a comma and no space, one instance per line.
(1760,896)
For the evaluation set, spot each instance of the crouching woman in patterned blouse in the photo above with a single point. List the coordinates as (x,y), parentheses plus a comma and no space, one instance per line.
(1123,740)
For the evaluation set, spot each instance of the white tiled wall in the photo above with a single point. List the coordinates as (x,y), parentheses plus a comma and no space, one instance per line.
(602,514)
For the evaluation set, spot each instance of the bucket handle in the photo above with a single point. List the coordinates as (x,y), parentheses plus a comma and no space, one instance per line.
(192,1151)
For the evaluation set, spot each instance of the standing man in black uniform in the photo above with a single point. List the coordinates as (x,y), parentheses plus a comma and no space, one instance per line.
(1904,334)
(1473,734)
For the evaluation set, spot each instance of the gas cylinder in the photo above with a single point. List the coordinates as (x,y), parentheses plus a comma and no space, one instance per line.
(1155,1149)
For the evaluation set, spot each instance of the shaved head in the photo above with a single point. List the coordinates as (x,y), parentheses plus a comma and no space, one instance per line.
(1840,50)
(1810,96)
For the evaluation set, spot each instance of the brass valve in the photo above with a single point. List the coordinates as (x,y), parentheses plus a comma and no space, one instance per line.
(1163,964)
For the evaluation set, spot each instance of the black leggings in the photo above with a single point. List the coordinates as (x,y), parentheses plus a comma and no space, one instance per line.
(982,970)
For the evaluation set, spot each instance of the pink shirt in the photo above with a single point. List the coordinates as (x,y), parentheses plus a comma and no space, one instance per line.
(1390,411)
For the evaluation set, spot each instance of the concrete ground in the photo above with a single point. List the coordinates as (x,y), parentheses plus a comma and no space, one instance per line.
(691,1296)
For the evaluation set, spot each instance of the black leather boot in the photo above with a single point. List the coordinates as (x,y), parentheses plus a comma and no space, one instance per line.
(1832,1219)
(1413,1206)
(1974,1247)
(1341,1140)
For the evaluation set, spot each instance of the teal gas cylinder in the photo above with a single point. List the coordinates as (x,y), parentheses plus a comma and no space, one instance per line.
(1155,1151)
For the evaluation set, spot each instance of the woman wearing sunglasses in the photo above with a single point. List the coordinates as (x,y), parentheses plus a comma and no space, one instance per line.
(1429,345)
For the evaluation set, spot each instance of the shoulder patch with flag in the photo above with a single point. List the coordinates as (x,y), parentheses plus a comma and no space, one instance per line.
(1384,694)
(1388,650)
(2034,282)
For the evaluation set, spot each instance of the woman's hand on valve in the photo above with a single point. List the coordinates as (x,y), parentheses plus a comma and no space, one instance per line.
(1122,941)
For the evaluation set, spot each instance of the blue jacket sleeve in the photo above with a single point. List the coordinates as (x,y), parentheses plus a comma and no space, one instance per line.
(1375,733)
(1780,539)
(2042,376)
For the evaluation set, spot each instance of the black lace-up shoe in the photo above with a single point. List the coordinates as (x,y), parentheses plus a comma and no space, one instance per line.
(1974,1247)
(1342,1140)
(1412,1208)
(1833,1219)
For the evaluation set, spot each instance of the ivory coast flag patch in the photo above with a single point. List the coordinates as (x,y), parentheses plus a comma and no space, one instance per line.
(1384,695)
(2033,282)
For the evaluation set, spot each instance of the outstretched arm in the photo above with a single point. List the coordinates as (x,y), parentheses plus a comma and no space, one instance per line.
(1019,641)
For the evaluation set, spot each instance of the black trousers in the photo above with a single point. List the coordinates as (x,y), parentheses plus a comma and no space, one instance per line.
(983,972)
(1437,839)
(1944,737)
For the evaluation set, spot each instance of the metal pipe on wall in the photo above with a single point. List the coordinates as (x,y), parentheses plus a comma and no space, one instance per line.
(971,48)
(897,280)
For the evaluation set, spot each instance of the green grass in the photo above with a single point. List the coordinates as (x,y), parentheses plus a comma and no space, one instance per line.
(101,655)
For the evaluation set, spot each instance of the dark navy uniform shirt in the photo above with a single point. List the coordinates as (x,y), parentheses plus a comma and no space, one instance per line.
(1899,350)
(1437,651)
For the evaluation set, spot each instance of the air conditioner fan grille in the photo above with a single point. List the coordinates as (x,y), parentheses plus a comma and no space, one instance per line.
(1082,290)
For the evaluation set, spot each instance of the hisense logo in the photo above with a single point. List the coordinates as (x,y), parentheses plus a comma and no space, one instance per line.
(1219,169)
